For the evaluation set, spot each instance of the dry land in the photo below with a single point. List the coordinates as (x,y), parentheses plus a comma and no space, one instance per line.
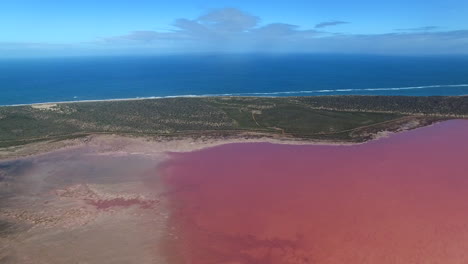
(343,119)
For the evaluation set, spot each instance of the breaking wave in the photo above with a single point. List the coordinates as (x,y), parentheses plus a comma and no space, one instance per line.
(271,94)
(352,90)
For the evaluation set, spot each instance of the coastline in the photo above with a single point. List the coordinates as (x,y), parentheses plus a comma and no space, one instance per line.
(324,92)
(111,100)
(146,145)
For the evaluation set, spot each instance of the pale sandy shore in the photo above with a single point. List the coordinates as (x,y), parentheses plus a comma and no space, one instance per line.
(148,146)
(47,104)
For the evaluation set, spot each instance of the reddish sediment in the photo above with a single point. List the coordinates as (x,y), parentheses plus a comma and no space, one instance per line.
(122,202)
(403,199)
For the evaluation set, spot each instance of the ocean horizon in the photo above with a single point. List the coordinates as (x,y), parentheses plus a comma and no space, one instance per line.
(43,80)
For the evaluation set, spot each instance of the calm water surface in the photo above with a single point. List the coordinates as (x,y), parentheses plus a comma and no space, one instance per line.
(25,81)
(403,199)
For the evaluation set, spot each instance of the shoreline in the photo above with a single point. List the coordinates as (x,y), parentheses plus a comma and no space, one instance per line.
(112,100)
(148,146)
(322,92)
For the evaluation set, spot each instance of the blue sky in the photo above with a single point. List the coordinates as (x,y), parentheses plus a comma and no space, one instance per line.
(89,27)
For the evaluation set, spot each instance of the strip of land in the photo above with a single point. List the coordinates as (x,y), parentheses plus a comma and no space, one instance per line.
(329,119)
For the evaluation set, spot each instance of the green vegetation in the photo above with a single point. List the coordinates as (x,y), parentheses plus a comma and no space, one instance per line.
(347,118)
(454,106)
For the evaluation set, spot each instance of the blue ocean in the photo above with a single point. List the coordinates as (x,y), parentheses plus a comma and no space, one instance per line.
(25,81)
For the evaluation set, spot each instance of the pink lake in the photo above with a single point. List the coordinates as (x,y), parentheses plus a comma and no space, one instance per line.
(402,199)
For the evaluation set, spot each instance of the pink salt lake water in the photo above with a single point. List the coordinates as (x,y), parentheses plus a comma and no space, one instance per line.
(402,199)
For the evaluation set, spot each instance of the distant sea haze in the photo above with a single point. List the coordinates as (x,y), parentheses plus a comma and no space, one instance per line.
(25,81)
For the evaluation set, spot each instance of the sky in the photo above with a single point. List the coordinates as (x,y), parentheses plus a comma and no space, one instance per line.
(145,27)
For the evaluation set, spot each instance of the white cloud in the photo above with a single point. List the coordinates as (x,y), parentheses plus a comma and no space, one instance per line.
(232,30)
(228,20)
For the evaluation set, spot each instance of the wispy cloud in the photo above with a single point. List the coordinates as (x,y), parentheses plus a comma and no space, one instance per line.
(330,24)
(426,28)
(448,42)
(142,35)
